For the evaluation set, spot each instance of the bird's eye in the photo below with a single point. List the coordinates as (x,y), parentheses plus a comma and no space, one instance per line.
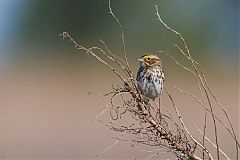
(148,59)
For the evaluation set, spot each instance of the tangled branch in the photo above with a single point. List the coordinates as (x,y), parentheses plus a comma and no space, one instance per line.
(147,125)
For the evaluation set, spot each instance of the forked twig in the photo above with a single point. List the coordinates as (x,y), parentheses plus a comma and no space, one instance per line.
(202,103)
(197,72)
(214,97)
(205,108)
(65,35)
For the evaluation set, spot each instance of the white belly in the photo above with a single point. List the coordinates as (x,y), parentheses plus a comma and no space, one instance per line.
(152,85)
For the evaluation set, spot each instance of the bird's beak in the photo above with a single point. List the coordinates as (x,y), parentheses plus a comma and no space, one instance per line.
(140,59)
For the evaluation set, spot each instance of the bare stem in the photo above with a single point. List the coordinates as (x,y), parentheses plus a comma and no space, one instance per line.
(122,34)
(197,72)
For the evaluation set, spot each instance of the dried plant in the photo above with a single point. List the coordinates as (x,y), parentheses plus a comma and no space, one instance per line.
(156,127)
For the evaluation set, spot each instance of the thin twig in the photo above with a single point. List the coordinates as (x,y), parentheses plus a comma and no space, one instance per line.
(115,59)
(77,46)
(184,126)
(109,147)
(197,72)
(204,107)
(204,129)
(223,109)
(214,145)
(122,34)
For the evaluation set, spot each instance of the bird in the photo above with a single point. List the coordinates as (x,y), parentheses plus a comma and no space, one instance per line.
(150,76)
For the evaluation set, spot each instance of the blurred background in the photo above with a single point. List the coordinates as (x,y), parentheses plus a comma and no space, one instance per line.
(45,112)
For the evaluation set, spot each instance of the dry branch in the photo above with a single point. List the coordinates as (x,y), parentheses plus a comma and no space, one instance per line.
(147,125)
(156,131)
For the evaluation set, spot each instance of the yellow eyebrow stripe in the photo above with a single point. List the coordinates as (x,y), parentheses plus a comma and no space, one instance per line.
(149,56)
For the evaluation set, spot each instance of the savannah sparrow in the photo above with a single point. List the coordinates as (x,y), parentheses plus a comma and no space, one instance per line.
(150,76)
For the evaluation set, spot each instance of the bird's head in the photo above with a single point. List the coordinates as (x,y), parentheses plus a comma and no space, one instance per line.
(150,60)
